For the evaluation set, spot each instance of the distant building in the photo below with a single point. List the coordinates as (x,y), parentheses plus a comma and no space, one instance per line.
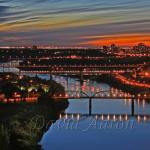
(141,48)
(106,49)
(114,48)
(34,47)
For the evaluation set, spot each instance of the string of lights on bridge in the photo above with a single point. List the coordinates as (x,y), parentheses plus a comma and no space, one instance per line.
(105,117)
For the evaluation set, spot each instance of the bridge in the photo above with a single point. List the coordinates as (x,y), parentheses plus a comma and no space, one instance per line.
(80,70)
(102,95)
(108,94)
(105,117)
(105,94)
(16,65)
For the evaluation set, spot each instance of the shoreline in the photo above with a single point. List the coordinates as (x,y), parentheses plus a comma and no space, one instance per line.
(112,81)
(22,124)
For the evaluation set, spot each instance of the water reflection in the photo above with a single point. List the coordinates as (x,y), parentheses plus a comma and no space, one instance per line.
(105,117)
(99,106)
(74,87)
(97,131)
(102,110)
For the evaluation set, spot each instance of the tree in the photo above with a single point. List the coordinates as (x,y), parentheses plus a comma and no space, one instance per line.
(9,89)
(24,94)
(4,138)
(40,90)
(45,100)
(55,88)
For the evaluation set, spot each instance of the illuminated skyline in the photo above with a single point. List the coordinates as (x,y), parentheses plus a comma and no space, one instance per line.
(74,23)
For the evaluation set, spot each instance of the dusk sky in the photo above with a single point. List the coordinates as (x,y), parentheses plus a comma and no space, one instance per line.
(74,22)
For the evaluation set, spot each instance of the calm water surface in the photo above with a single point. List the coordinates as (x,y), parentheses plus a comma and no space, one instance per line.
(90,133)
(91,136)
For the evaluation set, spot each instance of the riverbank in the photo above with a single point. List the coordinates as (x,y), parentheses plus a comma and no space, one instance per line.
(114,82)
(22,124)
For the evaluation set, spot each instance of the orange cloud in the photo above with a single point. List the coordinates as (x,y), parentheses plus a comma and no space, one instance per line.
(122,40)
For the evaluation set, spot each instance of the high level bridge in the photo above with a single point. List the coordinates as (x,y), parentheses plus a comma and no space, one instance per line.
(71,69)
(108,94)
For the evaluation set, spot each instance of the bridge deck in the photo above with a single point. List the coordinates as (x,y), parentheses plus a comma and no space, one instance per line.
(101,98)
(114,116)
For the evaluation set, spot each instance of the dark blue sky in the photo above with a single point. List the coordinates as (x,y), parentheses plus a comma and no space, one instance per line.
(74,22)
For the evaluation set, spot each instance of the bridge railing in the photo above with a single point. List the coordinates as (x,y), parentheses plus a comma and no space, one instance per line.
(102,95)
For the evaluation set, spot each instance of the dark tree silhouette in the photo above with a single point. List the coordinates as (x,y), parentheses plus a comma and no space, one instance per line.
(24,94)
(40,90)
(9,89)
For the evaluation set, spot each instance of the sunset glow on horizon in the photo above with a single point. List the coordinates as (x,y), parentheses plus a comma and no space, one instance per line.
(121,40)
(74,23)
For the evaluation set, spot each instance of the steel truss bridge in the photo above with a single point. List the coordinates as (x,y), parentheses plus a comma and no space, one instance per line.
(106,117)
(108,94)
(101,95)
(72,69)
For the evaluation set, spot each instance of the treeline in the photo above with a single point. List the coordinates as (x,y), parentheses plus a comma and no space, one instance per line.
(23,124)
(112,81)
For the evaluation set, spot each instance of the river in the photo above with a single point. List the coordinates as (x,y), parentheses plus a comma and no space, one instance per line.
(91,132)
(112,131)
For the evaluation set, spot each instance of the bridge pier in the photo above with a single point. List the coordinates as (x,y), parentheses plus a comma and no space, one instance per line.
(81,76)
(67,82)
(50,74)
(19,72)
(9,69)
(50,77)
(3,68)
(90,106)
(132,107)
(81,80)
(36,75)
(135,73)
